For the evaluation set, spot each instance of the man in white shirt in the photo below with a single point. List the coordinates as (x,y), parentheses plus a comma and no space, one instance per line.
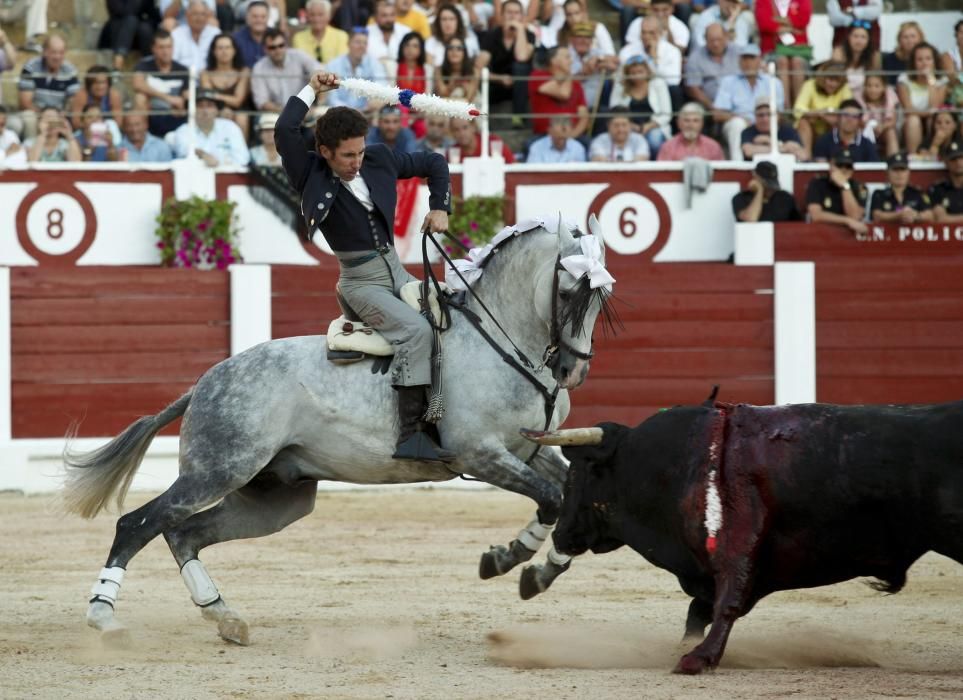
(279,73)
(619,144)
(216,141)
(557,146)
(385,35)
(192,40)
(666,58)
(674,30)
(355,64)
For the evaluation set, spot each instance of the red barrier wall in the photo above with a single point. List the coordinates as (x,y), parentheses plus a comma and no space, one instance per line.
(104,345)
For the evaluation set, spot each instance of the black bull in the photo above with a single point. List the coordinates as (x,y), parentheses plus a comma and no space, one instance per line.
(810,495)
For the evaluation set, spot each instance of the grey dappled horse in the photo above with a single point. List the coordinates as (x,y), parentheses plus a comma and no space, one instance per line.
(261,428)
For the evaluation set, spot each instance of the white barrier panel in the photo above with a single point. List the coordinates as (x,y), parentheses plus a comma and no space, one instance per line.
(795,332)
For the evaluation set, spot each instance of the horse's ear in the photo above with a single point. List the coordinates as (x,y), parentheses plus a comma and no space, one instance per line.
(595,228)
(565,237)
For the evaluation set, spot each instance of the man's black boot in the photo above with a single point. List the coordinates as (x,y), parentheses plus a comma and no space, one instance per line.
(413,442)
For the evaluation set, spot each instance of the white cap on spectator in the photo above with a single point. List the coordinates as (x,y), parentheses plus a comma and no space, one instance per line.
(750,50)
(267,121)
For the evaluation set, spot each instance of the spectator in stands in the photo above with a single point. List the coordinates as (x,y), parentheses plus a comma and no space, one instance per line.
(844,14)
(899,201)
(735,103)
(782,33)
(384,36)
(646,98)
(763,199)
(672,29)
(860,56)
(589,65)
(507,52)
(8,52)
(349,14)
(879,113)
(910,34)
(216,141)
(576,13)
(174,13)
(846,135)
(99,90)
(319,39)
(139,145)
(837,198)
(47,80)
(555,92)
(921,92)
(227,75)
(414,73)
(12,153)
(556,146)
(55,142)
(355,64)
(457,77)
(411,16)
(160,86)
(690,141)
(266,152)
(944,131)
(281,73)
(192,40)
(391,133)
(97,142)
(448,26)
(35,23)
(468,142)
(952,64)
(619,144)
(736,20)
(437,139)
(756,138)
(250,37)
(708,64)
(815,107)
(666,58)
(131,25)
(947,196)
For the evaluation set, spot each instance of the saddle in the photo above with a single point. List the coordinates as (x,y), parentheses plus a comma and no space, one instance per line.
(352,340)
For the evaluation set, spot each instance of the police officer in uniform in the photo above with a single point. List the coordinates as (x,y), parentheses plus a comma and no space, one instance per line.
(947,196)
(899,202)
(348,192)
(837,198)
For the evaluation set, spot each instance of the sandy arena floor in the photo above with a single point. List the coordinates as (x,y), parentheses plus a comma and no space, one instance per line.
(376,595)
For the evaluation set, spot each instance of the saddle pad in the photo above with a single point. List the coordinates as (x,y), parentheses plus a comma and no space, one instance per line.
(411,295)
(360,337)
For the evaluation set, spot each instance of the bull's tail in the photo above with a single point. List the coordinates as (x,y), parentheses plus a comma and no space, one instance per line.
(92,479)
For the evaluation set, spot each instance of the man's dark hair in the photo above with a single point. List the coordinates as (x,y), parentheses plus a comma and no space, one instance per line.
(619,111)
(161,34)
(849,103)
(3,110)
(517,2)
(272,33)
(338,124)
(256,3)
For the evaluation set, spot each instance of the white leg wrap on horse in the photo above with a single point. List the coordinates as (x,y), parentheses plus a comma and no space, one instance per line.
(534,535)
(108,583)
(199,583)
(558,559)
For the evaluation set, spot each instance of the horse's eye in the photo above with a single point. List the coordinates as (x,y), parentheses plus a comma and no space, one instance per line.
(564,295)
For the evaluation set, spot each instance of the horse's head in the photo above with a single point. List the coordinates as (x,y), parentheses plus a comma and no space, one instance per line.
(570,299)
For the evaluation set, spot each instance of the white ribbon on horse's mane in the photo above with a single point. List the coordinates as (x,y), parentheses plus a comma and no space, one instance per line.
(589,263)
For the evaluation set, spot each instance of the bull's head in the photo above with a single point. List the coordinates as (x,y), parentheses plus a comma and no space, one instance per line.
(589,501)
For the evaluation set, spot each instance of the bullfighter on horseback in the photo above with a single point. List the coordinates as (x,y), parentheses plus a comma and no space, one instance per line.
(348,192)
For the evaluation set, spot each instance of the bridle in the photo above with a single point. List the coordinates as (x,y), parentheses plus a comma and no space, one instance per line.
(552,356)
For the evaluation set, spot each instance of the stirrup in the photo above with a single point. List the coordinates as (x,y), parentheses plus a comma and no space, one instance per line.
(420,447)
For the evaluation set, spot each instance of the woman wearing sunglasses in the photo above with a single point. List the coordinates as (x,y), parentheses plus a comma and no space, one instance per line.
(457,78)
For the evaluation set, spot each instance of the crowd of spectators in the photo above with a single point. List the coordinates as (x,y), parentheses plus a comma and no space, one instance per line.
(682,79)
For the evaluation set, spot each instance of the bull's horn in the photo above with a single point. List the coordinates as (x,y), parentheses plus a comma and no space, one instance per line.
(569,436)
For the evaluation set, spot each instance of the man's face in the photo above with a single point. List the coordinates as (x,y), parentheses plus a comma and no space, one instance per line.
(898,177)
(206,113)
(164,50)
(275,48)
(358,46)
(574,13)
(562,62)
(435,128)
(402,6)
(389,125)
(955,166)
(716,40)
(197,17)
(135,126)
(345,160)
(844,169)
(463,132)
(558,131)
(619,129)
(849,121)
(385,17)
(728,7)
(317,18)
(651,31)
(749,65)
(53,55)
(690,124)
(257,19)
(512,12)
(662,11)
(763,119)
(582,44)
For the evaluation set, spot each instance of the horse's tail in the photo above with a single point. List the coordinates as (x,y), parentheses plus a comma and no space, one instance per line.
(93,478)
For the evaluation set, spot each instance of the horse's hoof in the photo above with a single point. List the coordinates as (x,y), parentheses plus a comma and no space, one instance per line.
(691,665)
(488,566)
(234,630)
(528,584)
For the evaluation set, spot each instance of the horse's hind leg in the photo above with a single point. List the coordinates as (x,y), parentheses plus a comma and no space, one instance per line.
(260,508)
(187,495)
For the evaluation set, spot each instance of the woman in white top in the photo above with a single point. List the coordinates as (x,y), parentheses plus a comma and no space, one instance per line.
(953,67)
(859,55)
(647,98)
(921,93)
(449,25)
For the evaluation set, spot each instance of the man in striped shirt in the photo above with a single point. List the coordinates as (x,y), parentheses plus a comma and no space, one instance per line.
(47,80)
